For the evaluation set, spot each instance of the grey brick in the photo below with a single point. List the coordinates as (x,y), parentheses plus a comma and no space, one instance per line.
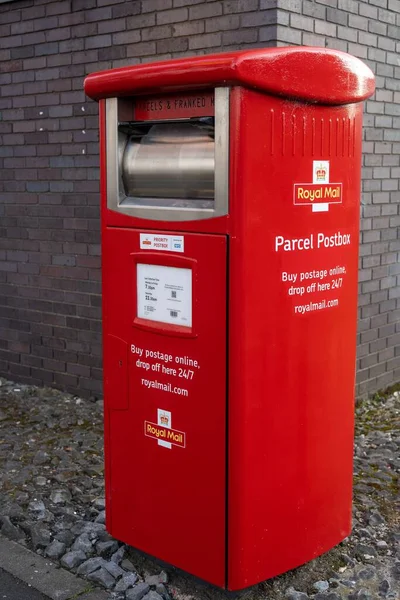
(205,41)
(284,34)
(256,19)
(303,23)
(244,36)
(358,50)
(172,45)
(98,14)
(311,39)
(367,38)
(337,16)
(151,33)
(206,10)
(377,27)
(189,28)
(292,5)
(348,5)
(155,5)
(238,6)
(346,34)
(223,23)
(172,16)
(369,11)
(98,41)
(325,28)
(141,21)
(126,9)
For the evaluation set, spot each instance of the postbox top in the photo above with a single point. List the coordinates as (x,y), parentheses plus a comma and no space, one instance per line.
(318,75)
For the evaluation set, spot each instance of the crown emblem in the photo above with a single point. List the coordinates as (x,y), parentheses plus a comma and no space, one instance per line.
(164,420)
(321,174)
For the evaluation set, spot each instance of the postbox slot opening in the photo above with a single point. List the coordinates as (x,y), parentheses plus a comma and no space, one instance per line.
(167,163)
(169,169)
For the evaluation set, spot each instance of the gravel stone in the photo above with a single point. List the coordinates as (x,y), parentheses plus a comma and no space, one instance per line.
(119,555)
(101,517)
(376,518)
(162,590)
(102,577)
(321,586)
(138,592)
(114,569)
(66,537)
(396,571)
(152,596)
(11,531)
(106,549)
(55,549)
(41,458)
(37,508)
(361,595)
(163,577)
(126,582)
(384,586)
(292,594)
(155,579)
(71,560)
(367,573)
(40,536)
(127,565)
(99,503)
(60,496)
(16,512)
(363,551)
(90,565)
(83,543)
(94,529)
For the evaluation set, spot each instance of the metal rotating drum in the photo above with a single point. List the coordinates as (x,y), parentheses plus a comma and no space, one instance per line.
(172,160)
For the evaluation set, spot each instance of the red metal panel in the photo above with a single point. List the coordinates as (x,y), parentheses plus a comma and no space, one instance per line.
(292,356)
(174,106)
(168,501)
(116,372)
(298,72)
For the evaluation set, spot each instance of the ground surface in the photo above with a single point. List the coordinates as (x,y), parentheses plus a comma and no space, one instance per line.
(52,502)
(14,589)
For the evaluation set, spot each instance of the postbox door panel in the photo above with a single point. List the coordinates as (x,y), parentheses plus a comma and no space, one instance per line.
(166,439)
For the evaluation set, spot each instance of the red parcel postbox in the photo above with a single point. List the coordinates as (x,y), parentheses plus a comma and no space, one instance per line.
(230,217)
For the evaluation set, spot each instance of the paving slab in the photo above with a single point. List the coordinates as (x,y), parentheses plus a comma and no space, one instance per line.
(45,576)
(15,589)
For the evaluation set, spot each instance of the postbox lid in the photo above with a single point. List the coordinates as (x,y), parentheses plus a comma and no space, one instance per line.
(318,75)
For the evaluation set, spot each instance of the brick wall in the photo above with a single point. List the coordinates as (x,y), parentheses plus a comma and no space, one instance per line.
(50,329)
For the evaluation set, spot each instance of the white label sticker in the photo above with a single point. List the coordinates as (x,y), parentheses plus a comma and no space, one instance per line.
(172,243)
(164,294)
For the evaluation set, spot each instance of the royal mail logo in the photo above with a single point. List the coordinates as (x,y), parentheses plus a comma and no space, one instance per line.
(162,431)
(320,193)
(164,434)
